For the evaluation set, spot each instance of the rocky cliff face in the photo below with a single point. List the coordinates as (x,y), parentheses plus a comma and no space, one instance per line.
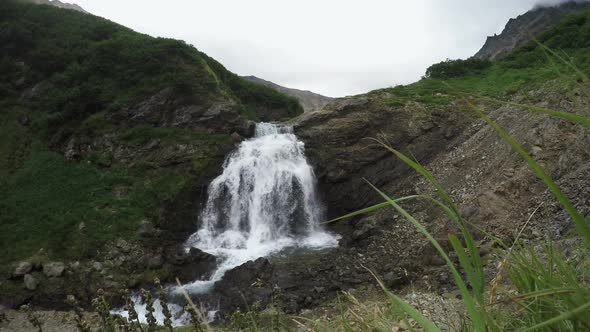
(522,29)
(309,101)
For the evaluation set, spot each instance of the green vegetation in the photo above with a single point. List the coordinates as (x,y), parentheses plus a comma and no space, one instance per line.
(70,209)
(69,74)
(562,51)
(456,68)
(88,64)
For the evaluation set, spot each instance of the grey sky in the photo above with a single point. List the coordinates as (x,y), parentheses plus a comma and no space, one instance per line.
(333,47)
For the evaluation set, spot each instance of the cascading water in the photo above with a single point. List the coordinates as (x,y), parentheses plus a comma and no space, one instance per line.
(264,201)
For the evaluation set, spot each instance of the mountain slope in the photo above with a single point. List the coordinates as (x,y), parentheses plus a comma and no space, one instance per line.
(108,135)
(309,101)
(520,30)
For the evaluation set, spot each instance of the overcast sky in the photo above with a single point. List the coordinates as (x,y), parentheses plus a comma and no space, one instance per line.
(332,47)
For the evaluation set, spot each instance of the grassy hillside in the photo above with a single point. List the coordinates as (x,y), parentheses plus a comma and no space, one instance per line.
(66,75)
(529,66)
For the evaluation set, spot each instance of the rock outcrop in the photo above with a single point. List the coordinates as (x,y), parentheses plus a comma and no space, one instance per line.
(340,142)
(522,29)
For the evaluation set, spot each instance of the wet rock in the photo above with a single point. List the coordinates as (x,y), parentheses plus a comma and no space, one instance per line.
(392,279)
(193,265)
(251,282)
(236,137)
(30,282)
(22,268)
(54,269)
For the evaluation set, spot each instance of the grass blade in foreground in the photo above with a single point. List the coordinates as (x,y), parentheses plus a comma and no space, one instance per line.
(580,222)
(411,311)
(564,316)
(475,315)
(371,209)
(579,119)
(475,266)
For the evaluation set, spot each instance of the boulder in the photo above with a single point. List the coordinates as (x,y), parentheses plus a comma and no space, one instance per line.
(192,265)
(22,268)
(147,230)
(54,269)
(123,246)
(30,282)
(246,284)
(393,279)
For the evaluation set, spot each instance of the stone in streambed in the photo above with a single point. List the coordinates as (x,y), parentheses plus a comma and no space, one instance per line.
(30,282)
(54,269)
(22,268)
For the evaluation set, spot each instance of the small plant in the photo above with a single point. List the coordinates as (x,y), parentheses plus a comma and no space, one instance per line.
(33,317)
(163,297)
(81,323)
(249,321)
(147,298)
(102,307)
(133,316)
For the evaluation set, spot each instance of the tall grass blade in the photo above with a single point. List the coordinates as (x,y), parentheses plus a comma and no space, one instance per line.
(562,317)
(477,266)
(463,260)
(579,119)
(371,209)
(580,222)
(540,293)
(474,314)
(411,311)
(560,58)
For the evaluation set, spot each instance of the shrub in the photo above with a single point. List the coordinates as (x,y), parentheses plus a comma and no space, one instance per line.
(455,68)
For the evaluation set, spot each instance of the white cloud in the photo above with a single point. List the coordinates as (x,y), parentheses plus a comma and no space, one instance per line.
(332,47)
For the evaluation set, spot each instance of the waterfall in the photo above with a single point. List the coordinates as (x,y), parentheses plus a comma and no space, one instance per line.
(264,201)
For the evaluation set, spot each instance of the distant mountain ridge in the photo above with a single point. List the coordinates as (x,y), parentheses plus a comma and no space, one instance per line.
(522,29)
(58,4)
(310,101)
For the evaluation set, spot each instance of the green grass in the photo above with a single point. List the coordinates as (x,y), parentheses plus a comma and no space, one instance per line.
(45,198)
(90,69)
(140,135)
(90,65)
(563,50)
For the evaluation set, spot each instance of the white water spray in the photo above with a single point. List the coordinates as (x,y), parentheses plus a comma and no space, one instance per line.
(264,201)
